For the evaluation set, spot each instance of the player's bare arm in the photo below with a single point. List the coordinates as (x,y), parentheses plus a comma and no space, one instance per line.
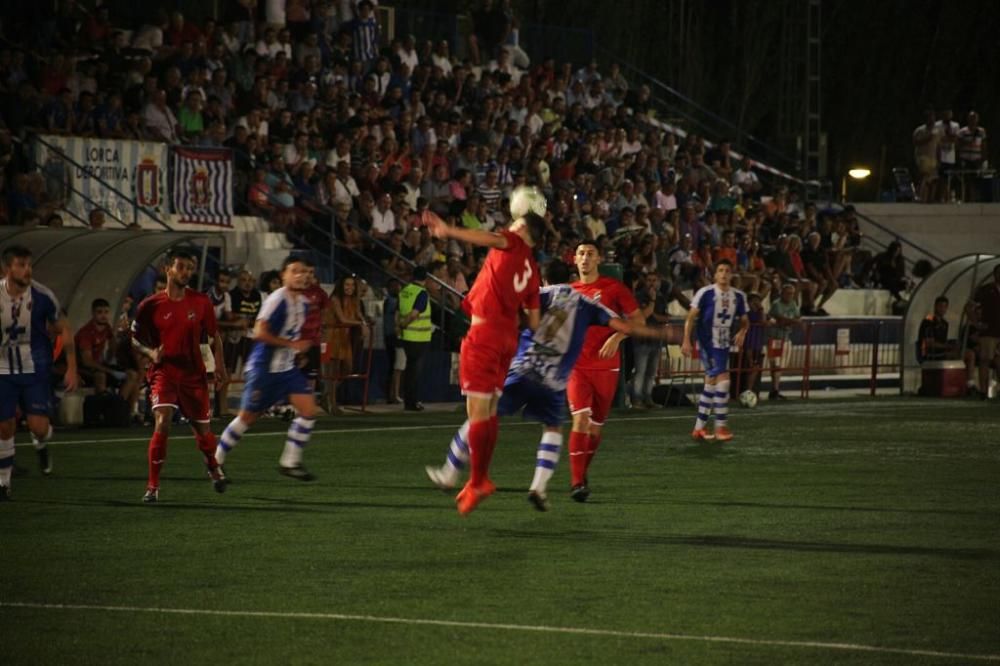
(686,347)
(534,317)
(262,333)
(626,328)
(62,328)
(221,375)
(610,346)
(441,229)
(742,333)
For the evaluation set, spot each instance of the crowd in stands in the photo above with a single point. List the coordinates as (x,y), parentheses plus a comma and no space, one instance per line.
(339,135)
(334,135)
(951,161)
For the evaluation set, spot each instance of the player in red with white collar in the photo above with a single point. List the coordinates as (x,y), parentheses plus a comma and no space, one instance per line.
(592,385)
(508,282)
(169,328)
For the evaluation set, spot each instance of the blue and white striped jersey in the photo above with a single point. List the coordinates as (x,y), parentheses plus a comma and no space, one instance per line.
(285,313)
(548,354)
(717,310)
(25,346)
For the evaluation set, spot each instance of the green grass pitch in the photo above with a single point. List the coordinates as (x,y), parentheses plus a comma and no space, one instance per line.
(853,532)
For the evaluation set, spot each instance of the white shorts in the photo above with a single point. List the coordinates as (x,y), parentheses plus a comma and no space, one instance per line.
(399,363)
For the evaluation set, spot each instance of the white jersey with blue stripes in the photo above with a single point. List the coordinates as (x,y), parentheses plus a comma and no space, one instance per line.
(285,313)
(25,346)
(548,354)
(718,309)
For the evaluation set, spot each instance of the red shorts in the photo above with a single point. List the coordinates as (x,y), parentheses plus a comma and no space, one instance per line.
(592,391)
(187,392)
(484,360)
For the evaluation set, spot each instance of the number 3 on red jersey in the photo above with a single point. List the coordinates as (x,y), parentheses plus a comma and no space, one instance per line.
(521,281)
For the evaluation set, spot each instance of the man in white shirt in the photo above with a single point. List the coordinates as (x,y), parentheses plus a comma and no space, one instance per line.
(407,54)
(947,131)
(160,120)
(383,219)
(345,189)
(745,177)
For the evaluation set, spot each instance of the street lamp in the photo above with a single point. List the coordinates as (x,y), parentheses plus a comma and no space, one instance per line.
(857,173)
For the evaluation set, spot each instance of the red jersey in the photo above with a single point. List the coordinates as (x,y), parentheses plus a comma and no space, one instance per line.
(94,337)
(180,326)
(316,302)
(612,294)
(508,281)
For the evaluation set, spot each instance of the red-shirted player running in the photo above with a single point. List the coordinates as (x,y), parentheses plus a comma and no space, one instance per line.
(507,283)
(169,328)
(594,379)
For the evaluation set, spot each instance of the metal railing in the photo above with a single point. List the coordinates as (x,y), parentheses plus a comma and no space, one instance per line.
(862,349)
(700,119)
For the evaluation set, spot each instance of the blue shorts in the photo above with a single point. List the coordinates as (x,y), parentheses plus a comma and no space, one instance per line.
(263,389)
(715,361)
(540,403)
(31,392)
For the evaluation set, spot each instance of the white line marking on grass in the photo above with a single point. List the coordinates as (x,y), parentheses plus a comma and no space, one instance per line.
(851,409)
(819,645)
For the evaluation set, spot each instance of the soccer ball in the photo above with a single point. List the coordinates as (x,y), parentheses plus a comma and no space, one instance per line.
(748,399)
(527,199)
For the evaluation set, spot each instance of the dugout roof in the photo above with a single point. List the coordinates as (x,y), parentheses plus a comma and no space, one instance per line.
(79,265)
(956,279)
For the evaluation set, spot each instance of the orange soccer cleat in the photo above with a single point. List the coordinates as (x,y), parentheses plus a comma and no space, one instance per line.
(723,434)
(470,496)
(702,435)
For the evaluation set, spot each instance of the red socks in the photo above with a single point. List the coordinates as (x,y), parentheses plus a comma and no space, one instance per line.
(206,444)
(157,456)
(482,443)
(592,444)
(479,451)
(579,450)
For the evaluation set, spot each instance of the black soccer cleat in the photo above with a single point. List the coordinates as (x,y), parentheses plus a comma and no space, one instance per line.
(580,492)
(539,500)
(152,496)
(4,493)
(218,477)
(44,460)
(297,472)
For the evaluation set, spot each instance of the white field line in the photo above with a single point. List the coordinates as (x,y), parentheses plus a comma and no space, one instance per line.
(857,409)
(343,617)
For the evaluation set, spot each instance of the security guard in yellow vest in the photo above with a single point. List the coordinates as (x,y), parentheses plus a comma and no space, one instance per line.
(415,332)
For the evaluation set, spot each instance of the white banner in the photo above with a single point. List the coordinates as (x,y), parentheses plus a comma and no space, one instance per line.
(104,173)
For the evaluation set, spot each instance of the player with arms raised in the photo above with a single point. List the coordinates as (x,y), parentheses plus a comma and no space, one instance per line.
(272,372)
(713,310)
(536,381)
(508,282)
(28,310)
(169,328)
(594,381)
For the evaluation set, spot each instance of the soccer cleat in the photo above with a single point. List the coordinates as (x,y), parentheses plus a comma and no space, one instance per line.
(723,434)
(539,500)
(470,496)
(218,477)
(297,472)
(221,472)
(152,496)
(44,460)
(440,478)
(4,493)
(702,435)
(580,492)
